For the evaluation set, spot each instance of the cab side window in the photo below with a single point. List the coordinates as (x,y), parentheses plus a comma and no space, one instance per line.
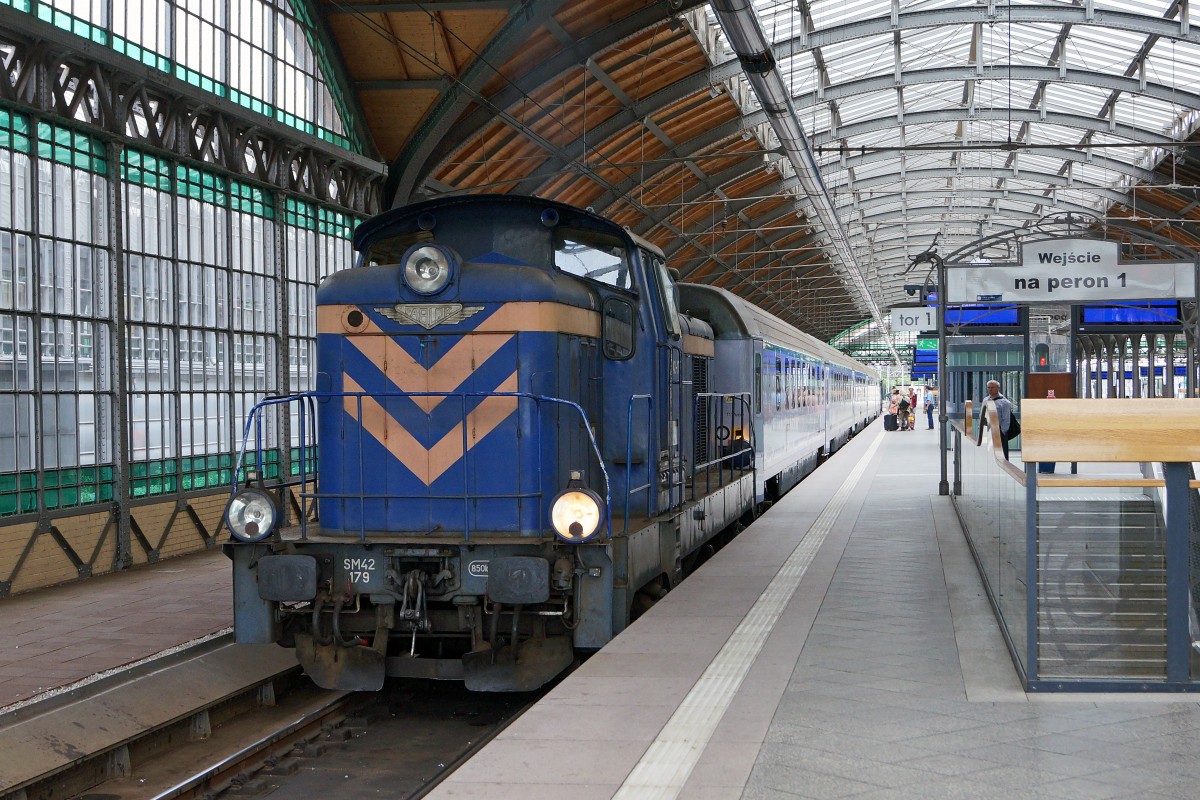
(618,329)
(594,256)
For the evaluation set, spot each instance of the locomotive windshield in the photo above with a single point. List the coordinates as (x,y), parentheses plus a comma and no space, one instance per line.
(391,250)
(595,256)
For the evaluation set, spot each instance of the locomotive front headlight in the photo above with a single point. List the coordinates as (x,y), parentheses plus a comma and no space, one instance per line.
(427,269)
(576,514)
(251,515)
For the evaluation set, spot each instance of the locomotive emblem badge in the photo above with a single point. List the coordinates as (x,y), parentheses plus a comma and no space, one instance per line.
(428,315)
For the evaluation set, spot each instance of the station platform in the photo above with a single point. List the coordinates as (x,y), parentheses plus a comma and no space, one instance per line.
(52,639)
(842,646)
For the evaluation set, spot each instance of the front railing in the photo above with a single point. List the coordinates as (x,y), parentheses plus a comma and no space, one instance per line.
(305,484)
(1090,573)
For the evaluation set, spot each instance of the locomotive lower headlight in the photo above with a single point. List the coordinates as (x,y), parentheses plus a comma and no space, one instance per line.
(251,515)
(427,269)
(576,515)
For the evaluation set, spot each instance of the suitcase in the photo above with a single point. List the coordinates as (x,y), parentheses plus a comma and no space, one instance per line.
(889,422)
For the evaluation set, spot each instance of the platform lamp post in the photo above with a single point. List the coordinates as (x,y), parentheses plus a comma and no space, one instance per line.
(930,256)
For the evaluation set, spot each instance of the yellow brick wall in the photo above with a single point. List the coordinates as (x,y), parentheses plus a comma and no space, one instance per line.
(47,564)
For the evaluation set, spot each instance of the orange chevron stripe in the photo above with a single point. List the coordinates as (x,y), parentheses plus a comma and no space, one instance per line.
(445,376)
(429,465)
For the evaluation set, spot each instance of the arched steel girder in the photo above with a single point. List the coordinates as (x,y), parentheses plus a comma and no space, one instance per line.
(1048,179)
(443,132)
(899,249)
(1042,179)
(960,114)
(909,214)
(1004,73)
(833,179)
(1081,16)
(989,195)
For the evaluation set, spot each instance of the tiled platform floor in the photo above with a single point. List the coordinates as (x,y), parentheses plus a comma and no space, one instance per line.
(880,703)
(54,637)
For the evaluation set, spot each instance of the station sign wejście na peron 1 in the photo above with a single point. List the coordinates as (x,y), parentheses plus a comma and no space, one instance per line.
(1070,271)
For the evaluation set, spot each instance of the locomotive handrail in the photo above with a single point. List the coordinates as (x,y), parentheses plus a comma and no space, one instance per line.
(254,424)
(630,491)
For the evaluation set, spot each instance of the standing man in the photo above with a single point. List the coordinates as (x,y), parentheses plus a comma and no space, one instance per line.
(1003,411)
(929,403)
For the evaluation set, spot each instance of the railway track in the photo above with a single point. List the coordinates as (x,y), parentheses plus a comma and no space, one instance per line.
(272,733)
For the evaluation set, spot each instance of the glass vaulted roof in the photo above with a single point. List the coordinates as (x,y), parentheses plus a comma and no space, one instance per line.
(956,120)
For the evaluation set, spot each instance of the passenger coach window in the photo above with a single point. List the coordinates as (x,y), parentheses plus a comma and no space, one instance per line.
(593,256)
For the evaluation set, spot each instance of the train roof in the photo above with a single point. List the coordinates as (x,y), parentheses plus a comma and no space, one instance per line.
(732,317)
(384,221)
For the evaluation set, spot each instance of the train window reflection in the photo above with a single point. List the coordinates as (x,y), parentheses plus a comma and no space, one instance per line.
(391,250)
(593,256)
(618,329)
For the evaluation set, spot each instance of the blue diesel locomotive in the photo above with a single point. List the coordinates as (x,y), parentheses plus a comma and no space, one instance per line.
(527,431)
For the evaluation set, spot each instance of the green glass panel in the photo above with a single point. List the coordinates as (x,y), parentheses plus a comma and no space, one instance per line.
(29,480)
(51,498)
(69,477)
(156,467)
(8,504)
(87,475)
(106,491)
(186,482)
(14,131)
(156,486)
(8,483)
(137,488)
(87,494)
(170,483)
(225,460)
(138,469)
(70,496)
(51,479)
(106,473)
(29,503)
(187,465)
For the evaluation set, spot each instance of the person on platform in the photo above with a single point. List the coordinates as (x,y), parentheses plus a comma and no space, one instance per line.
(1003,412)
(930,402)
(903,404)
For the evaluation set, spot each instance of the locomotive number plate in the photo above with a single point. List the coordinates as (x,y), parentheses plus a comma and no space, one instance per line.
(363,574)
(478,568)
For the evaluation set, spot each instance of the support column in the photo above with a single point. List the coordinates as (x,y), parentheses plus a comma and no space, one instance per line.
(118,363)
